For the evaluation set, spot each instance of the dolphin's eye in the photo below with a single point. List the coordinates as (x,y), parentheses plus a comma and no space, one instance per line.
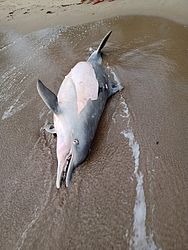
(76,141)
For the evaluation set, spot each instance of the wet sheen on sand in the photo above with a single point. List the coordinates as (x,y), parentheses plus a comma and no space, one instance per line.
(132,191)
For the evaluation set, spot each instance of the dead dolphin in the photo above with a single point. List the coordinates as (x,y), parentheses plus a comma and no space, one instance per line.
(77,109)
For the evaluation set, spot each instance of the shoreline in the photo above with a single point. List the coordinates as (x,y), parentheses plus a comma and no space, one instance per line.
(27,16)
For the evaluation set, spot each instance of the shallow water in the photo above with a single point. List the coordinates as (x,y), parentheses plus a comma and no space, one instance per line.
(132,191)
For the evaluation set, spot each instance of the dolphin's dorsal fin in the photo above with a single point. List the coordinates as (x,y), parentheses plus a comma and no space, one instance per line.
(96,55)
(48,97)
(103,42)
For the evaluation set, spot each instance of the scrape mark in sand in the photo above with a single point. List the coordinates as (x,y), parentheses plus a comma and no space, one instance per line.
(39,210)
(37,214)
(139,240)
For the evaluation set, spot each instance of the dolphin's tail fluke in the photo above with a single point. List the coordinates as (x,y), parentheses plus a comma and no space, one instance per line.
(96,55)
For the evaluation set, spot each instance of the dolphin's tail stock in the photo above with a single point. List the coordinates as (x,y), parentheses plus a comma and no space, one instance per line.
(96,55)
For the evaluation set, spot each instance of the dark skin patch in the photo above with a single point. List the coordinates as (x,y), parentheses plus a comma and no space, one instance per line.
(49,12)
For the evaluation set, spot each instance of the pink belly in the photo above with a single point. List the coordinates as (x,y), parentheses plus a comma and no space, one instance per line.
(82,81)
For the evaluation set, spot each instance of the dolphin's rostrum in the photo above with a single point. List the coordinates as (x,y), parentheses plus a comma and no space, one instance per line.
(77,109)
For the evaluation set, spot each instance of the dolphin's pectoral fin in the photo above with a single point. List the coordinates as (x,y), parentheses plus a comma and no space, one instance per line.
(114,88)
(48,96)
(50,128)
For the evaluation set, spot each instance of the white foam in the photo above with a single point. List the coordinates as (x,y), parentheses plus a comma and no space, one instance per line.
(12,110)
(15,107)
(116,79)
(139,239)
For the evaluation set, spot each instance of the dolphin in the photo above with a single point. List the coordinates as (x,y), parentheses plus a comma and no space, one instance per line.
(77,109)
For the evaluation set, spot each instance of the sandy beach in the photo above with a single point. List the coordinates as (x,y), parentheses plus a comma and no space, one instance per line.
(131,192)
(27,16)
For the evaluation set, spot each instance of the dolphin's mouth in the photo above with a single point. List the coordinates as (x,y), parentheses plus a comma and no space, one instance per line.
(64,171)
(66,167)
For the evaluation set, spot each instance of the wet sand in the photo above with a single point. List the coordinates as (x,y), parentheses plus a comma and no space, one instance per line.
(131,193)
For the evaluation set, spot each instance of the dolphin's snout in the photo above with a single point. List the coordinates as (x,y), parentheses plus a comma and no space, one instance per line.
(57,184)
(59,175)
